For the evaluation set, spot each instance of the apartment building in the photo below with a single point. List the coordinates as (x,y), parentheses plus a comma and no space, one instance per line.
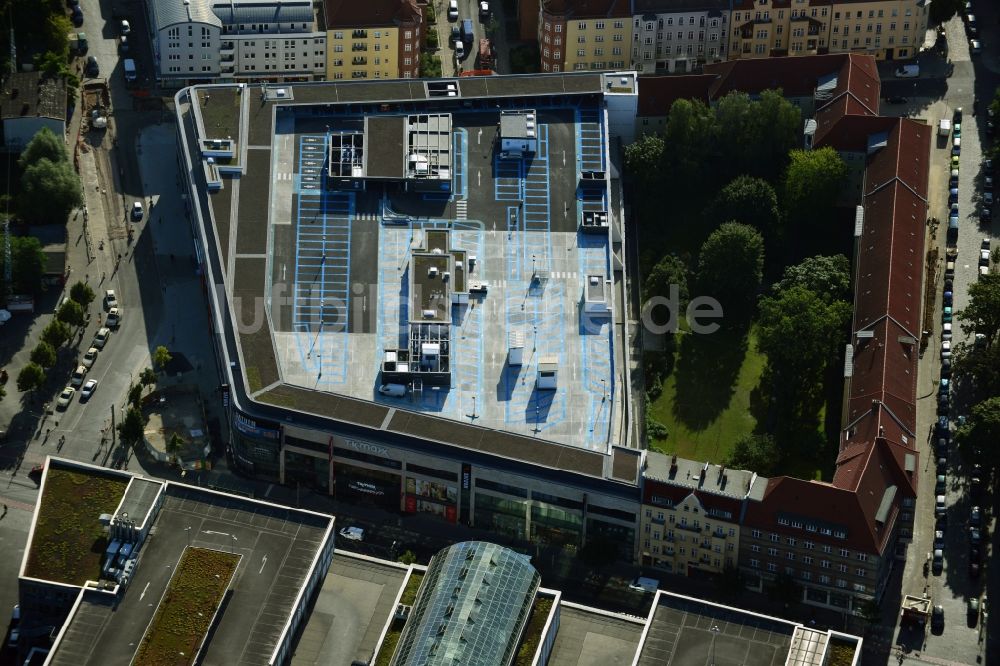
(576,35)
(233,40)
(885,29)
(837,541)
(377,39)
(678,35)
(691,514)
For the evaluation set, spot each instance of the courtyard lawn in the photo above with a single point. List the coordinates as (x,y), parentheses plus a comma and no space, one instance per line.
(706,399)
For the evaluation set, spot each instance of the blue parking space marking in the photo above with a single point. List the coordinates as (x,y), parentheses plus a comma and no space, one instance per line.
(467,330)
(596,347)
(320,310)
(542,319)
(460,163)
(590,139)
(537,246)
(509,179)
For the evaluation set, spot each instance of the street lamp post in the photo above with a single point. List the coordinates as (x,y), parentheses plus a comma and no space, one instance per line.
(234,542)
(188,530)
(715,632)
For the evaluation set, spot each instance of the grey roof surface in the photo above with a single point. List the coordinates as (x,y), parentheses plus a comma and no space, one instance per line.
(277,541)
(588,638)
(683,631)
(139,498)
(30,94)
(717,480)
(385,155)
(471,607)
(263,11)
(169,12)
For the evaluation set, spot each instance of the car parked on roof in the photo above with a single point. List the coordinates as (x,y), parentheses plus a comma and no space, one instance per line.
(975,517)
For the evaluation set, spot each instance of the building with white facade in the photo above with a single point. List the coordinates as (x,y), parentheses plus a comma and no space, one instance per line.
(678,35)
(232,40)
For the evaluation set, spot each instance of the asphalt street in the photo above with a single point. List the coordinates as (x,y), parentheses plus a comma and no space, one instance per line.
(947,82)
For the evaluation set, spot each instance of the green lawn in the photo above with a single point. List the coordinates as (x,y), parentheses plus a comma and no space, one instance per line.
(706,398)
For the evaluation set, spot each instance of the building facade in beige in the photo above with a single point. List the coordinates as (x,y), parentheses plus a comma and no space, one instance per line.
(691,514)
(888,30)
(885,29)
(577,36)
(372,40)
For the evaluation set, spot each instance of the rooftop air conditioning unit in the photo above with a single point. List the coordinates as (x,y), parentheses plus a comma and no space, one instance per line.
(432,271)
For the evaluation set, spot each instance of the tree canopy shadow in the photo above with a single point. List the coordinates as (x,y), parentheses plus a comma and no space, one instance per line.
(706,371)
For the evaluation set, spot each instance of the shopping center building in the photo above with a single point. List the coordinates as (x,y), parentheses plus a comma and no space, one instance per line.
(418,293)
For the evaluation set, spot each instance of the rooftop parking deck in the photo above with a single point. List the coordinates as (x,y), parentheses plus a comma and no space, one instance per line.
(344,271)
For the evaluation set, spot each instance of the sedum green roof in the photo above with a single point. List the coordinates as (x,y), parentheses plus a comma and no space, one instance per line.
(471,608)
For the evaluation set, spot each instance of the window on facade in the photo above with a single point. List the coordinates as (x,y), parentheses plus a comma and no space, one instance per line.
(773,552)
(755,564)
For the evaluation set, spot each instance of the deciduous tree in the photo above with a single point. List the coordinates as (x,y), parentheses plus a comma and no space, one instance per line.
(56,333)
(811,187)
(748,200)
(31,377)
(28,261)
(829,277)
(730,268)
(982,431)
(71,313)
(161,357)
(755,452)
(43,354)
(82,293)
(45,144)
(132,427)
(982,314)
(49,191)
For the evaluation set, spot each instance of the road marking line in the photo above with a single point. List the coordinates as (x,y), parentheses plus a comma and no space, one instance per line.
(270,487)
(143,592)
(264,562)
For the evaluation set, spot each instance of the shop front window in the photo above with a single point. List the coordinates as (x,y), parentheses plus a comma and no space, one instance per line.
(500,515)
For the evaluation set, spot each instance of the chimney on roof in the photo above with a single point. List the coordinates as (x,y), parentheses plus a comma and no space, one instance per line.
(722,473)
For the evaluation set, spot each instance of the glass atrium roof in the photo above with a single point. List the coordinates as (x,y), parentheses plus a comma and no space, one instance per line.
(471,607)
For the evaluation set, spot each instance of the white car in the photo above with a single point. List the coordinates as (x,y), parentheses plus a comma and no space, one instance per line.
(88,389)
(65,397)
(452,10)
(102,336)
(353,533)
(984,257)
(459,50)
(975,46)
(77,377)
(125,28)
(90,357)
(946,349)
(114,317)
(110,299)
(946,332)
(137,211)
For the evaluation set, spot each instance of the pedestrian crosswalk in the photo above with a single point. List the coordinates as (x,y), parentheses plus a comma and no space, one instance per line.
(461,209)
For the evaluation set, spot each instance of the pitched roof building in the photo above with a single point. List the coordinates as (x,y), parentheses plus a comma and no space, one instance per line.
(839,540)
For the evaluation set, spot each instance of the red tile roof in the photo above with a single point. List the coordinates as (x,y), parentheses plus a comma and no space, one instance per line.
(797,76)
(658,93)
(576,10)
(353,14)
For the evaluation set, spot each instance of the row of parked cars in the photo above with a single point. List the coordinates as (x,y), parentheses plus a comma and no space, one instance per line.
(78,380)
